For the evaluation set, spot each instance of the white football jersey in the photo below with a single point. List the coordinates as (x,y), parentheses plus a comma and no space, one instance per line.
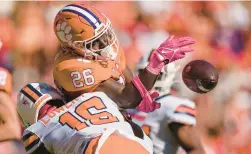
(173,109)
(70,128)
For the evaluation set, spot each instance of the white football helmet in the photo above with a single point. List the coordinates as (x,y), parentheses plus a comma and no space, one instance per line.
(166,78)
(31,98)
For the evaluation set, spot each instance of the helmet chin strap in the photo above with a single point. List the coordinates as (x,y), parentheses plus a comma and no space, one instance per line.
(94,56)
(105,54)
(109,53)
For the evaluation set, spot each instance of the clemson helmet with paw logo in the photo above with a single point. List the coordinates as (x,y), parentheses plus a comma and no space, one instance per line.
(79,26)
(90,52)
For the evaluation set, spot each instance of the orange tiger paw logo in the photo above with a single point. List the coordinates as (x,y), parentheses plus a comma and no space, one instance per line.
(63,32)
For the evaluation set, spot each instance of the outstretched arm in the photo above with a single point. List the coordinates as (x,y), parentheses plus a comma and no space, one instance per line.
(136,94)
(128,96)
(187,137)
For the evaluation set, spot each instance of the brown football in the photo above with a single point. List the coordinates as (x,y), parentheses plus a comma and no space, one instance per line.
(200,76)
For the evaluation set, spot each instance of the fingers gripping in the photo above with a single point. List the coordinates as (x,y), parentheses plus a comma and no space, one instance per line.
(147,103)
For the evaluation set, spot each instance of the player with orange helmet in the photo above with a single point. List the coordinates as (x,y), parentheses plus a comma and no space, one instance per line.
(90,52)
(92,60)
(82,25)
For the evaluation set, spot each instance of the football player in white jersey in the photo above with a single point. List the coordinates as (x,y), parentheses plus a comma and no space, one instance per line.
(172,125)
(89,124)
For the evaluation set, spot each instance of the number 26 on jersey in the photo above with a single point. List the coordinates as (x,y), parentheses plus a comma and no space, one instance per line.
(80,79)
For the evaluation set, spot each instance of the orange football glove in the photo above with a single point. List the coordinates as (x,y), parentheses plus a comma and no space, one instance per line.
(5,81)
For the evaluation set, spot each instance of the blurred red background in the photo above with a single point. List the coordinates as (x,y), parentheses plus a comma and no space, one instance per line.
(221,29)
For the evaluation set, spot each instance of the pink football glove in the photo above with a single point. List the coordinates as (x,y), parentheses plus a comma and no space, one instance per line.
(169,51)
(147,103)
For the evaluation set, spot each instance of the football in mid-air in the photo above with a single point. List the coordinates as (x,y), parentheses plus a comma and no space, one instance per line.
(200,76)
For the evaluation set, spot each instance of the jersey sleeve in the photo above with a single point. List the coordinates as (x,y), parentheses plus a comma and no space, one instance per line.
(5,81)
(31,141)
(79,74)
(181,111)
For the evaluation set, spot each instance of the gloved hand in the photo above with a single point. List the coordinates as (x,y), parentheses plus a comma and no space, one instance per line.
(169,51)
(147,103)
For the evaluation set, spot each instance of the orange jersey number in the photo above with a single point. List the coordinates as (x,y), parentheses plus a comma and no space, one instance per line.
(79,78)
(83,111)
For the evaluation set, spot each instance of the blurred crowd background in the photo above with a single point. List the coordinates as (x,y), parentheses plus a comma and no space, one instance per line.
(221,29)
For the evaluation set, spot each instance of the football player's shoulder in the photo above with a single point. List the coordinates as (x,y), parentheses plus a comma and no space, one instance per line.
(72,62)
(66,60)
(76,73)
(99,94)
